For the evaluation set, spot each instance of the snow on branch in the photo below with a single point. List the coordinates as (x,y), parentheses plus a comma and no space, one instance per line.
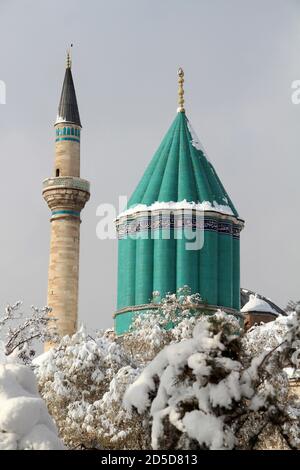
(20,332)
(207,392)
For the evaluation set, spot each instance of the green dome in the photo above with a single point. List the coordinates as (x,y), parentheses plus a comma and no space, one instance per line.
(180,171)
(154,231)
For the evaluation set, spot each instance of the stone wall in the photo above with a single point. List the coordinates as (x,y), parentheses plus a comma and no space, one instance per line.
(63,273)
(252,318)
(67,159)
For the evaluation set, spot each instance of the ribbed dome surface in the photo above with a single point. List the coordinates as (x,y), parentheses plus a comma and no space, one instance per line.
(180,171)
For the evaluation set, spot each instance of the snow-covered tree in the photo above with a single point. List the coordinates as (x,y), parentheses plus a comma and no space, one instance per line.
(291,306)
(82,381)
(20,333)
(25,423)
(208,392)
(148,336)
(203,383)
(173,319)
(118,428)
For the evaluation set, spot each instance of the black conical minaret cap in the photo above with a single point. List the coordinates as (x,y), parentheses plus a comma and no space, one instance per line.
(68,108)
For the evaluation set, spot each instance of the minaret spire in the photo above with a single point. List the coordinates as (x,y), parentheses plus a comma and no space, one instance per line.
(180,108)
(68,108)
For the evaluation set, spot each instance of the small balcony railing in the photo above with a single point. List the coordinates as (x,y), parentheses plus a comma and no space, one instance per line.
(68,182)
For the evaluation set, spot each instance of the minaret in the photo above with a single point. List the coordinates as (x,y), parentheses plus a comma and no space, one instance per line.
(66,194)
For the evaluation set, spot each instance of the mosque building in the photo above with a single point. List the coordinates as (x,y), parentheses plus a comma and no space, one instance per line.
(180,228)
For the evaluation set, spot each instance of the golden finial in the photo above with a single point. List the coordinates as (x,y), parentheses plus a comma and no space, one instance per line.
(180,108)
(69,57)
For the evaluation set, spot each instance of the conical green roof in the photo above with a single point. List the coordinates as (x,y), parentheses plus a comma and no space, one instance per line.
(180,171)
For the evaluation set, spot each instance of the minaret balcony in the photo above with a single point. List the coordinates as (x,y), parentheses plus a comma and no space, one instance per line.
(66,192)
(67,182)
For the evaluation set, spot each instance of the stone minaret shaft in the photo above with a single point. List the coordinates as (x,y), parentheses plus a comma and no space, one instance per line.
(66,194)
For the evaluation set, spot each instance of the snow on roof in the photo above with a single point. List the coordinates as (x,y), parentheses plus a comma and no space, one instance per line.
(182,205)
(60,119)
(255,304)
(195,139)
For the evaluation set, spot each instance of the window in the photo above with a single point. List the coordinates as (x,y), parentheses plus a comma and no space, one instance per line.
(68,131)
(72,131)
(57,172)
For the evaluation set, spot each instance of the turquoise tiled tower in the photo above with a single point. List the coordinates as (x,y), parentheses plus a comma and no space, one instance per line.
(179,197)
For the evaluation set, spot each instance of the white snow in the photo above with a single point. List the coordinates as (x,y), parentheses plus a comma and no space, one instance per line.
(206,429)
(60,119)
(195,139)
(137,394)
(204,206)
(40,438)
(255,304)
(42,358)
(227,390)
(197,362)
(24,419)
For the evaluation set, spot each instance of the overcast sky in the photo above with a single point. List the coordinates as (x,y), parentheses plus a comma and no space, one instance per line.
(240,58)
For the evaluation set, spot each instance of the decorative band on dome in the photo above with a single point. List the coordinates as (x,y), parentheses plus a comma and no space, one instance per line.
(175,221)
